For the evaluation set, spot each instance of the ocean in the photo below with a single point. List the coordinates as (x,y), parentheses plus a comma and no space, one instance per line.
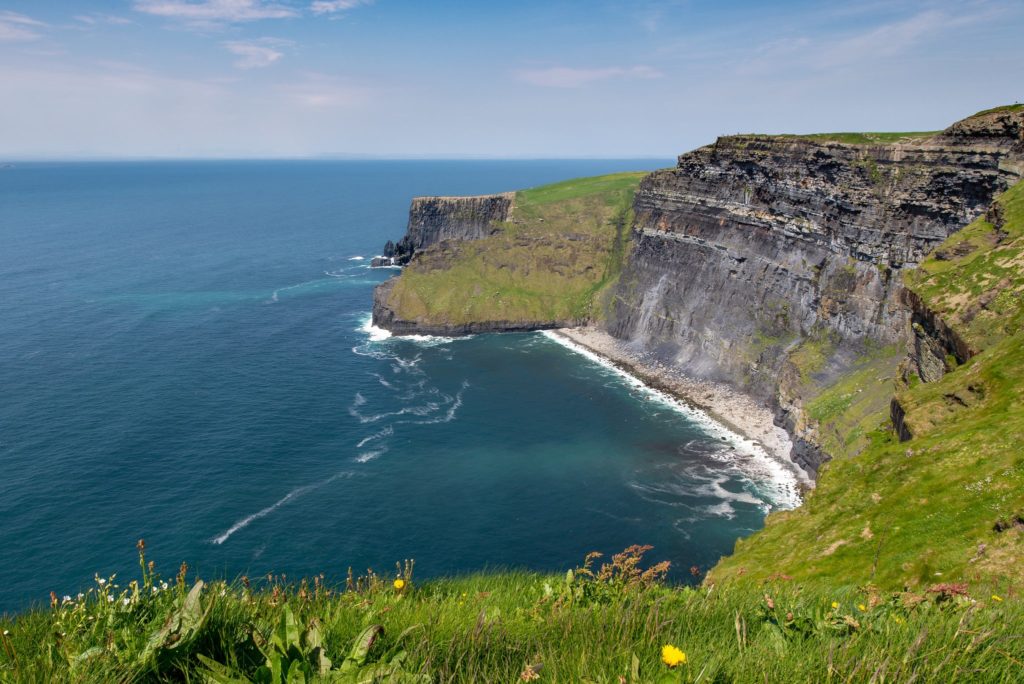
(186,357)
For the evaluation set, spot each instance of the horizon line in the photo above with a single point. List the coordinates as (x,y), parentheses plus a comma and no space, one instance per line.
(355,157)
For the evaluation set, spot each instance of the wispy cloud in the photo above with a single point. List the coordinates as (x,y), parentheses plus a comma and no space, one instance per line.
(95,19)
(335,6)
(214,11)
(882,41)
(568,77)
(16,27)
(256,54)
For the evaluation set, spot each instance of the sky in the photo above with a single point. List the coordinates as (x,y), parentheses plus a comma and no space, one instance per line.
(109,79)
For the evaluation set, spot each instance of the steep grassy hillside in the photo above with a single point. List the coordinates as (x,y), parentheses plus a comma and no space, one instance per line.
(616,623)
(562,248)
(948,505)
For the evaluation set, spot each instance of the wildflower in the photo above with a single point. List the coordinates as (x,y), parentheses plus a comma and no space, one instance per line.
(80,596)
(125,601)
(898,620)
(835,604)
(110,599)
(155,590)
(862,608)
(996,598)
(399,584)
(100,581)
(672,656)
(7,632)
(163,586)
(66,599)
(530,673)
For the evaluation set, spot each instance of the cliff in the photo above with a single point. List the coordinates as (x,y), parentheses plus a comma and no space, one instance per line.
(938,488)
(773,264)
(540,258)
(755,246)
(434,219)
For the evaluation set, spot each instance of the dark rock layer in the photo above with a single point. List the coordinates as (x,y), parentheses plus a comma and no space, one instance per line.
(433,219)
(752,244)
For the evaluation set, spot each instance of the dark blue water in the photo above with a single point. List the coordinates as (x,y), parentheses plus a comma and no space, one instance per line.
(184,358)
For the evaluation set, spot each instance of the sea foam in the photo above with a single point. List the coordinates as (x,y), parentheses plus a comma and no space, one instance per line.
(780,481)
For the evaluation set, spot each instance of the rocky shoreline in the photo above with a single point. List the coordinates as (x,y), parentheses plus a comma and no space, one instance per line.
(739,412)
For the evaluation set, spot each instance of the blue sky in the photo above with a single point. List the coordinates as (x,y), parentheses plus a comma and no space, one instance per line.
(406,78)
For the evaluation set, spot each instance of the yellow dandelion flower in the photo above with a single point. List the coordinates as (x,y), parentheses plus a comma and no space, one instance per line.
(672,656)
(399,584)
(835,604)
(862,608)
(897,619)
(996,598)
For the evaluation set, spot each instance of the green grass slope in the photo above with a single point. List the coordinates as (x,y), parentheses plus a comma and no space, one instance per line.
(948,505)
(562,249)
(597,625)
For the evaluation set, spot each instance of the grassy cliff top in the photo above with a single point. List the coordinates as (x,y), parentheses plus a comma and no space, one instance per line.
(561,249)
(853,138)
(942,506)
(975,279)
(601,623)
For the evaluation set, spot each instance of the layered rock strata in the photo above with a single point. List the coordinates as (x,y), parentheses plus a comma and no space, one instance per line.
(433,219)
(754,244)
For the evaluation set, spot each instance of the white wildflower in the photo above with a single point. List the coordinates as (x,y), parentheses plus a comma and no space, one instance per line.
(80,596)
(7,632)
(110,599)
(163,586)
(155,590)
(100,581)
(66,599)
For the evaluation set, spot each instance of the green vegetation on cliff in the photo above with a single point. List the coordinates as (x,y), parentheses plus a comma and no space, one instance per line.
(561,250)
(617,622)
(947,505)
(864,138)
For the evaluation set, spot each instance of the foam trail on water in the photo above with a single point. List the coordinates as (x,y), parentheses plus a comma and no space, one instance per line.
(297,492)
(780,480)
(369,456)
(386,432)
(449,415)
(356,258)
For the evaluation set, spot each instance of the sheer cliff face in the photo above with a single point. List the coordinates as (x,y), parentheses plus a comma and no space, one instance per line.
(754,243)
(434,219)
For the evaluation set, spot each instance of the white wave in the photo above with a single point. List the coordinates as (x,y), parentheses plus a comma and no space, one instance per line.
(381,380)
(386,432)
(433,340)
(376,334)
(779,480)
(356,258)
(368,456)
(297,492)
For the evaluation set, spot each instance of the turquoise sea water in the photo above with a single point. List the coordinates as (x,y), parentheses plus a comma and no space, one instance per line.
(185,358)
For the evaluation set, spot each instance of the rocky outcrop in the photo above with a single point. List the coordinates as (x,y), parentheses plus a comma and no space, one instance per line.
(935,343)
(433,219)
(752,244)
